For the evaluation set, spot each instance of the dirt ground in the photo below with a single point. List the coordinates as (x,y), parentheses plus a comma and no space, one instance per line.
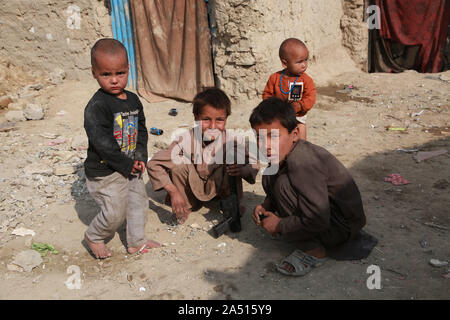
(411,222)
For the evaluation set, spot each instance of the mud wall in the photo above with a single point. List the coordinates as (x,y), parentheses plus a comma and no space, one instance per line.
(40,36)
(247,36)
(43,35)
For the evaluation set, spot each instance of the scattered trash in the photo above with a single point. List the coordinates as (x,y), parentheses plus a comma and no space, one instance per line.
(425,155)
(389,128)
(44,248)
(142,289)
(423,243)
(48,135)
(23,232)
(417,114)
(222,244)
(156,131)
(437,263)
(407,150)
(173,112)
(396,179)
(28,260)
(61,113)
(7,126)
(434,225)
(57,141)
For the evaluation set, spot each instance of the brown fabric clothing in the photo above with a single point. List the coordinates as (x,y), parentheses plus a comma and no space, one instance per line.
(308,96)
(199,176)
(173,48)
(314,195)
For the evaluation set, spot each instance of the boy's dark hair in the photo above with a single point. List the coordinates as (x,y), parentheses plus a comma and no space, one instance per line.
(109,46)
(214,97)
(289,43)
(274,109)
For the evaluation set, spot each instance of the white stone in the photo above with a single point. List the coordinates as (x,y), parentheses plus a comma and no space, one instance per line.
(28,259)
(437,263)
(64,170)
(38,168)
(33,112)
(23,232)
(15,116)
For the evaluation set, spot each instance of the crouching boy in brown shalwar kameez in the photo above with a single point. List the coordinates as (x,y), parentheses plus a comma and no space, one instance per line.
(313,194)
(193,168)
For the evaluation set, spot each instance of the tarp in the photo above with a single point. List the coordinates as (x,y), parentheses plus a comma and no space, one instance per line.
(173,48)
(412,35)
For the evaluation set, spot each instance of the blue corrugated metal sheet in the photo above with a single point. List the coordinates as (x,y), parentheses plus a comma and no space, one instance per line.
(123,31)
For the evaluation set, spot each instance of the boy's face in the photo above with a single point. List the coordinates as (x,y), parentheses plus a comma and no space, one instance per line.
(276,140)
(213,122)
(111,73)
(296,60)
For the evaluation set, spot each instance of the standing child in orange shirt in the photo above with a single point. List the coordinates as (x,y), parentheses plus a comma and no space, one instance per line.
(292,84)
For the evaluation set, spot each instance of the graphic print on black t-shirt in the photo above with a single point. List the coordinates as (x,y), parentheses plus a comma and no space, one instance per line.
(125,131)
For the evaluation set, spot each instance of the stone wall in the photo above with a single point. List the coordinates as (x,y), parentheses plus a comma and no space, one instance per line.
(43,35)
(247,35)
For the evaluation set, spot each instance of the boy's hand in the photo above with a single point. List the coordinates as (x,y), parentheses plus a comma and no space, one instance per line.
(138,166)
(259,210)
(270,222)
(179,205)
(238,170)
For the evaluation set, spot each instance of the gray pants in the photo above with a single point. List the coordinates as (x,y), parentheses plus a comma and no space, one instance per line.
(119,198)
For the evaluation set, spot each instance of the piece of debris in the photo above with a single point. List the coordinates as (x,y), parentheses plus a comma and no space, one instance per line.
(28,260)
(57,76)
(48,135)
(423,243)
(407,150)
(23,232)
(15,116)
(33,112)
(417,114)
(57,141)
(5,101)
(44,248)
(7,126)
(396,179)
(434,225)
(64,170)
(437,263)
(80,142)
(389,128)
(425,155)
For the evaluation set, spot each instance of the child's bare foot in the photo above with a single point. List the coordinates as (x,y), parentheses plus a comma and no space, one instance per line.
(99,249)
(150,244)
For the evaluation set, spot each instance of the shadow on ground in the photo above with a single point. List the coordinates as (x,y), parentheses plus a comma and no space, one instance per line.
(410,221)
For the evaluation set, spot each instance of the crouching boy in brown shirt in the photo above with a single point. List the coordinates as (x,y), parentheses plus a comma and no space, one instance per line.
(194,169)
(314,197)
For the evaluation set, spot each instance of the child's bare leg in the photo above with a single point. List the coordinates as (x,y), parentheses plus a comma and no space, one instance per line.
(302,130)
(99,249)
